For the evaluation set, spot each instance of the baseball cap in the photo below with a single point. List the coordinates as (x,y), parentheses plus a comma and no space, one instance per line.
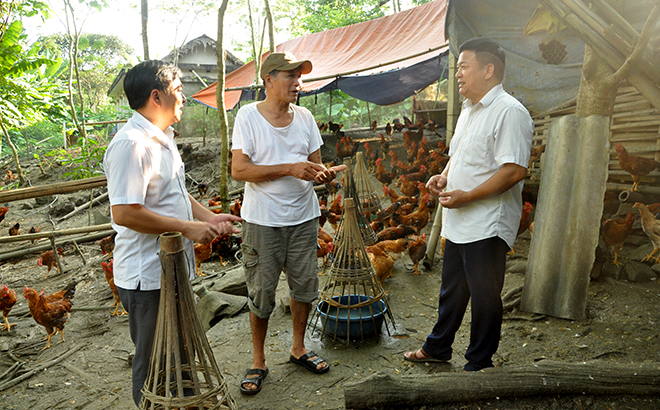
(284,62)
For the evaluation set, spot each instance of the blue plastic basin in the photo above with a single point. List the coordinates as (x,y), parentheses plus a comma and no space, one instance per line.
(342,321)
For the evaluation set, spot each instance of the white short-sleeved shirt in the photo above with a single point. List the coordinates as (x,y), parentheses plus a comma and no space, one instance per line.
(495,131)
(285,201)
(143,166)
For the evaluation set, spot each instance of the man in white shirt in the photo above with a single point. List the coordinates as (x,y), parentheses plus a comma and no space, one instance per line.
(482,205)
(276,150)
(148,196)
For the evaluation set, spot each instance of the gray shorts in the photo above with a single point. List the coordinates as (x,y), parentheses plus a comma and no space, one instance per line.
(268,250)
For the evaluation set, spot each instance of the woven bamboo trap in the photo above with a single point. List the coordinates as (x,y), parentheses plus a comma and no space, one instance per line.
(350,191)
(352,303)
(369,199)
(182,373)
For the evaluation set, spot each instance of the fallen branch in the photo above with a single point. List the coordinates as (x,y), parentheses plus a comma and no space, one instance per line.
(39,368)
(40,248)
(544,378)
(83,207)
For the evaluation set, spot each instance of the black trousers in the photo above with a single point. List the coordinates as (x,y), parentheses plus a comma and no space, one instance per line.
(474,270)
(142,308)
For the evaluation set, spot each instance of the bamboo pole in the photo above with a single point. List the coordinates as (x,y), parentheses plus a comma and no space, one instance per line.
(71,231)
(39,248)
(52,189)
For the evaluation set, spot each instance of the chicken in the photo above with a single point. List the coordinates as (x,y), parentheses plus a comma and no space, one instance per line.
(324,249)
(385,215)
(346,147)
(202,187)
(323,126)
(235,208)
(51,313)
(418,176)
(398,127)
(394,197)
(202,253)
(10,176)
(324,235)
(34,229)
(223,246)
(333,187)
(384,144)
(408,187)
(48,259)
(371,156)
(397,232)
(634,165)
(374,125)
(3,212)
(383,176)
(215,202)
(615,232)
(67,293)
(336,206)
(15,230)
(107,244)
(393,158)
(7,301)
(334,128)
(394,246)
(382,263)
(418,219)
(333,219)
(524,222)
(388,131)
(110,277)
(377,225)
(417,251)
(535,155)
(651,227)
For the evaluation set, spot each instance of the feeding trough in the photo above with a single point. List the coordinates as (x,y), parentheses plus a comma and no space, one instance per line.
(354,316)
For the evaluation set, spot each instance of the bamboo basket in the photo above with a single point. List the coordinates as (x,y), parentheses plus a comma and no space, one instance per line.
(352,293)
(183,373)
(369,199)
(350,191)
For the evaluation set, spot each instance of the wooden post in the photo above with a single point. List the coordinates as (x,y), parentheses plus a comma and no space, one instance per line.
(369,113)
(453,100)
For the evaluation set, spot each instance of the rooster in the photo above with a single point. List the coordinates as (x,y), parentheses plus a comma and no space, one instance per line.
(49,311)
(634,165)
(417,251)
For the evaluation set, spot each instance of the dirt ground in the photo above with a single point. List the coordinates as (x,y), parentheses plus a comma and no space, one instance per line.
(622,326)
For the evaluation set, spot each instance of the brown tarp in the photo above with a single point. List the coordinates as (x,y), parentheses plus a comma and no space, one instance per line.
(343,50)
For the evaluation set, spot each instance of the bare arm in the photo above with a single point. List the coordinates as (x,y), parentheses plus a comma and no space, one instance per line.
(140,219)
(242,169)
(507,176)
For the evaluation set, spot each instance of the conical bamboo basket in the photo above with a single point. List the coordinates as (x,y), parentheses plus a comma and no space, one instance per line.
(352,290)
(183,373)
(369,198)
(350,191)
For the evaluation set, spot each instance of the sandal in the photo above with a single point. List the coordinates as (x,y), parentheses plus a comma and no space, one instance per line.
(420,356)
(310,364)
(258,381)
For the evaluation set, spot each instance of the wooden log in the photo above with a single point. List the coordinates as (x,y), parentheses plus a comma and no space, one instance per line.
(40,248)
(84,207)
(543,378)
(48,234)
(52,189)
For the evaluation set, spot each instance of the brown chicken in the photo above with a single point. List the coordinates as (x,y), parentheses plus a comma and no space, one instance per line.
(48,312)
(398,127)
(615,232)
(3,212)
(324,250)
(48,259)
(235,208)
(346,147)
(384,144)
(110,277)
(371,156)
(394,246)
(535,155)
(382,263)
(223,247)
(634,165)
(417,251)
(107,244)
(408,187)
(393,158)
(383,176)
(333,187)
(34,229)
(323,234)
(336,206)
(388,129)
(394,197)
(333,219)
(334,127)
(7,301)
(651,227)
(374,125)
(15,230)
(397,232)
(524,222)
(202,188)
(418,219)
(202,253)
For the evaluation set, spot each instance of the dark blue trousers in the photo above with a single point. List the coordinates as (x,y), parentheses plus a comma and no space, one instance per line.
(474,270)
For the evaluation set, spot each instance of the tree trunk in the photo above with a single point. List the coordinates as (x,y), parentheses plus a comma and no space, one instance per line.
(544,378)
(145,23)
(73,64)
(19,170)
(255,57)
(271,27)
(220,103)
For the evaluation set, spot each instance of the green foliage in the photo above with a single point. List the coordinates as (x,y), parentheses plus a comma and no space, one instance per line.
(87,163)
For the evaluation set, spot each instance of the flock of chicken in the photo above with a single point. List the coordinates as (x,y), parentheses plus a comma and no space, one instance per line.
(52,311)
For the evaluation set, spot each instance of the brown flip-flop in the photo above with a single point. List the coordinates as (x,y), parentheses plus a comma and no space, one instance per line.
(414,357)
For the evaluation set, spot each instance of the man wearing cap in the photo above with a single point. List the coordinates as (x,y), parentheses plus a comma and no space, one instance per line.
(276,151)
